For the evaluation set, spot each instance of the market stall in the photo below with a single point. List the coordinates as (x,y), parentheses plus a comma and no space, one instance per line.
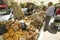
(22,27)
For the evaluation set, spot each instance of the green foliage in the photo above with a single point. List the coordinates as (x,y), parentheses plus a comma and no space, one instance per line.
(23,5)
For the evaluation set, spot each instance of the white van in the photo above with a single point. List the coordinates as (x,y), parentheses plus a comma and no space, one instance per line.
(6,14)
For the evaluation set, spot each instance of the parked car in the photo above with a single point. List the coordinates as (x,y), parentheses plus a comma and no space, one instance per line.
(5,13)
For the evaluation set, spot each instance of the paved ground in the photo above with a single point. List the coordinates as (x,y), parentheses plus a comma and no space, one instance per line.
(1,38)
(48,36)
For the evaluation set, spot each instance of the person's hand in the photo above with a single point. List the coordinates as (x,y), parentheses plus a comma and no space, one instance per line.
(30,12)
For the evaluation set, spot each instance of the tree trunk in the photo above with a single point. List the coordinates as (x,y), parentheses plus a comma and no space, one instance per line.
(18,14)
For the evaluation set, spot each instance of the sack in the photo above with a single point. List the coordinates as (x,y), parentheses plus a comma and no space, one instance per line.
(24,26)
(52,29)
(2,29)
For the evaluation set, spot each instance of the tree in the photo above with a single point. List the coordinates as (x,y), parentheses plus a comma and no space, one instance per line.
(18,14)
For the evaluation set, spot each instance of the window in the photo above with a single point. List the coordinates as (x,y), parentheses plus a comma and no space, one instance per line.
(4,12)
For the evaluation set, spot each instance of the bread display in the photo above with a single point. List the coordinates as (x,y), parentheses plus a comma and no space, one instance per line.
(15,31)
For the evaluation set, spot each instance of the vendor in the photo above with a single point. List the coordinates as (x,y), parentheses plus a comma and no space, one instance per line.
(29,10)
(50,13)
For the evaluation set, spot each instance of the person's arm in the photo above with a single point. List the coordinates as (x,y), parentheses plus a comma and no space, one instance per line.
(47,11)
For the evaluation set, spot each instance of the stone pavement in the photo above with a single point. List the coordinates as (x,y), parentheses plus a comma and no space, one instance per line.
(48,36)
(1,38)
